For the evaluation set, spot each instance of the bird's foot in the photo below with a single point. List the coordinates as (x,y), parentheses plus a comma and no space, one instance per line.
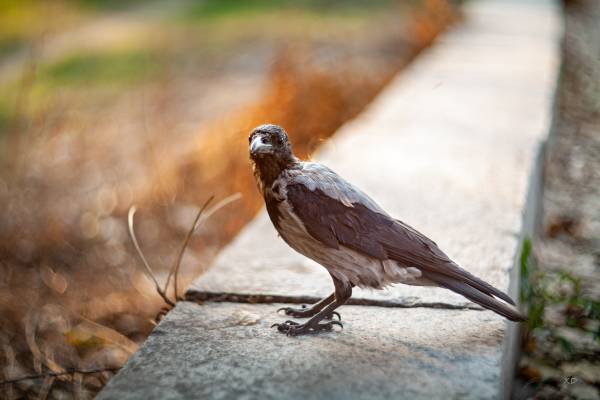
(292,328)
(305,312)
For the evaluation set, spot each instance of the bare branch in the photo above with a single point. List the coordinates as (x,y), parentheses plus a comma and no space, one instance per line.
(219,205)
(175,269)
(200,217)
(162,294)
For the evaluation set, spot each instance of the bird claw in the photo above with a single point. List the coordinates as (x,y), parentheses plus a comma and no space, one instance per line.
(305,312)
(292,328)
(334,313)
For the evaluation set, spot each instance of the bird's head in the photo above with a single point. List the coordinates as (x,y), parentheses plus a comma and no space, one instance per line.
(269,142)
(271,152)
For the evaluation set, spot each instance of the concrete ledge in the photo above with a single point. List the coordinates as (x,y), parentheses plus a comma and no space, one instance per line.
(448,147)
(227,351)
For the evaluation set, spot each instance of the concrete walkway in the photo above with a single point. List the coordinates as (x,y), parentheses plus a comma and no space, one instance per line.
(449,148)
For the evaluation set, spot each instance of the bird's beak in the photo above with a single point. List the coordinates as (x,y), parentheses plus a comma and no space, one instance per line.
(258,147)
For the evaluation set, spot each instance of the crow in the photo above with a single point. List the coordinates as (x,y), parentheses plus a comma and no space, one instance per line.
(325,218)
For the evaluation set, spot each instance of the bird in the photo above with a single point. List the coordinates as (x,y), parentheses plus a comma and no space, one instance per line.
(327,219)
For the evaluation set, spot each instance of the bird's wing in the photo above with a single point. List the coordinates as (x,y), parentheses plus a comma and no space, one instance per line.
(364,227)
(361,229)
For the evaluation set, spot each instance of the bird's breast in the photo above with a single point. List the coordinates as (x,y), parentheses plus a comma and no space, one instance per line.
(293,231)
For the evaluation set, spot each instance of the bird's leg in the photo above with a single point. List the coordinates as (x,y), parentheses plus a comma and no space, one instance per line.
(306,312)
(342,294)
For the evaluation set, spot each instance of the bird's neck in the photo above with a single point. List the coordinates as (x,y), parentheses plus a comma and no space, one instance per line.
(267,169)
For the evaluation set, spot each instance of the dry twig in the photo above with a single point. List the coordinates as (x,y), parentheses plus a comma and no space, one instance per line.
(200,217)
(162,294)
(174,271)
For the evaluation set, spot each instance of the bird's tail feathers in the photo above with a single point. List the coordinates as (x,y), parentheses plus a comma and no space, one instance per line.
(477,296)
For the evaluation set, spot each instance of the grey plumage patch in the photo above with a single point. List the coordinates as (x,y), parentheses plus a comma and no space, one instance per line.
(316,176)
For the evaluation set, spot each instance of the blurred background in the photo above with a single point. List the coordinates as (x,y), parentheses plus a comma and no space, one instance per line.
(106,104)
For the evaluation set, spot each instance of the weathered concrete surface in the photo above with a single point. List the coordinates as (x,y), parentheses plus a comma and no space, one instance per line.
(447,148)
(228,351)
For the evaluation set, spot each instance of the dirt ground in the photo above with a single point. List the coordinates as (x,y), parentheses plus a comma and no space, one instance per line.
(561,357)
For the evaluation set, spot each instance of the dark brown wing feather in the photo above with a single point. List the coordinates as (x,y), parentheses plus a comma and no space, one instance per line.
(378,235)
